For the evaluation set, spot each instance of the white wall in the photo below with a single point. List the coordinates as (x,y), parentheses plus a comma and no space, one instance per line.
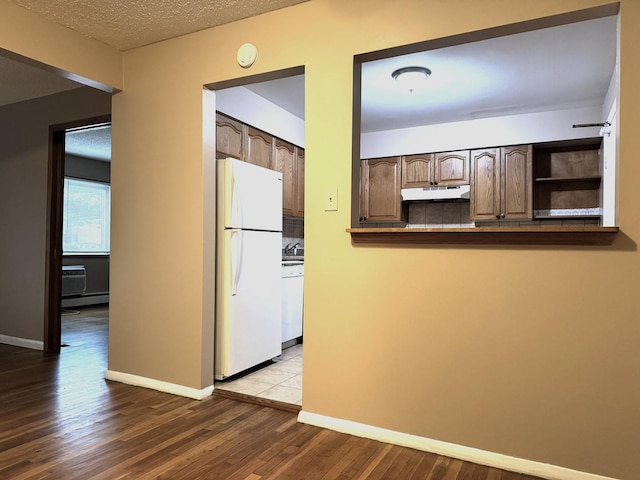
(610,168)
(610,159)
(486,132)
(252,109)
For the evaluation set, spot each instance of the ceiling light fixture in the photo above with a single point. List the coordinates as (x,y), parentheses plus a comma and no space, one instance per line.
(411,78)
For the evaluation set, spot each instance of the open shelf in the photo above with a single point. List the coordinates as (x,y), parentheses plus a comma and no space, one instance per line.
(567,179)
(566,217)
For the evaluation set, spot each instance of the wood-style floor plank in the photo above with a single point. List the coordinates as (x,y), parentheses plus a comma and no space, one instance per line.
(60,419)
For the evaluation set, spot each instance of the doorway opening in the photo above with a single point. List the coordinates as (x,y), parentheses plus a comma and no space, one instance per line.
(260,121)
(75,153)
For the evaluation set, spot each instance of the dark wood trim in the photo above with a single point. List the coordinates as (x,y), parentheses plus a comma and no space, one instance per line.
(356,163)
(53,253)
(260,77)
(86,122)
(264,402)
(575,16)
(53,274)
(569,235)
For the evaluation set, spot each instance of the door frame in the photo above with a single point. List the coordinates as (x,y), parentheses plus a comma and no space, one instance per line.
(609,168)
(53,248)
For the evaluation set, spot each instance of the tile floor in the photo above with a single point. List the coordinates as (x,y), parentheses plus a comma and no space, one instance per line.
(87,327)
(280,381)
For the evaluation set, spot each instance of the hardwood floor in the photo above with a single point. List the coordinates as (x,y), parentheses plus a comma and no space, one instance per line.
(59,419)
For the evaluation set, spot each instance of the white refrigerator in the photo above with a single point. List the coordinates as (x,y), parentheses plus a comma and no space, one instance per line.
(248,267)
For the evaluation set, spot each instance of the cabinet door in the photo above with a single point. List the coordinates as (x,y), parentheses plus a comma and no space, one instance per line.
(381,190)
(259,148)
(417,170)
(284,162)
(485,184)
(299,212)
(516,183)
(452,168)
(229,138)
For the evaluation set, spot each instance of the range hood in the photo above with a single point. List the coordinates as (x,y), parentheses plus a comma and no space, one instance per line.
(436,193)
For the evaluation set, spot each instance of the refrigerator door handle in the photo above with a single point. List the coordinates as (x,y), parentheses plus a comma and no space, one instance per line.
(236,201)
(237,242)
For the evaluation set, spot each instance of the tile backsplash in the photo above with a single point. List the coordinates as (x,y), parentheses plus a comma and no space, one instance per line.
(458,215)
(292,231)
(439,214)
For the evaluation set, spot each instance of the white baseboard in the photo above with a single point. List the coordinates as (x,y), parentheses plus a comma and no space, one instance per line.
(470,454)
(85,300)
(159,385)
(22,342)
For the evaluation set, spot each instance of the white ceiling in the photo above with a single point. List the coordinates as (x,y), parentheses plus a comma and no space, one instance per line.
(548,69)
(287,93)
(559,67)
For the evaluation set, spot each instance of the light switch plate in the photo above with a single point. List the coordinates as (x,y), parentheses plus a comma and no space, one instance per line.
(331,200)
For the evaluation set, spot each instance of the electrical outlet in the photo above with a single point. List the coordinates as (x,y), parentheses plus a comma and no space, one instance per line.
(331,200)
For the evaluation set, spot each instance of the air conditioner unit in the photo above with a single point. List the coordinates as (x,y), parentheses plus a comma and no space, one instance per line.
(74,280)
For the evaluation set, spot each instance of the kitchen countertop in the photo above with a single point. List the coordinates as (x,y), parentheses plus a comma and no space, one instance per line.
(297,258)
(533,235)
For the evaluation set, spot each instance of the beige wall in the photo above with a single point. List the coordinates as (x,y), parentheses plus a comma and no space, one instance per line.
(24,151)
(52,46)
(526,351)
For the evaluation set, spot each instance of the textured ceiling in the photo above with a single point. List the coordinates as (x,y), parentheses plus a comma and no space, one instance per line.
(128,24)
(124,25)
(93,142)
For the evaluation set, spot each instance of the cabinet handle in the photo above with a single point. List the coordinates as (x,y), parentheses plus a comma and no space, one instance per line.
(435,183)
(498,216)
(502,215)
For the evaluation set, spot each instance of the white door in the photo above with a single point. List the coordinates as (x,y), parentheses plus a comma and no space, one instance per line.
(248,312)
(250,196)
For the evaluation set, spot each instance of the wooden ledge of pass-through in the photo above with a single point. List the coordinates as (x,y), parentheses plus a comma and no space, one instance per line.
(551,235)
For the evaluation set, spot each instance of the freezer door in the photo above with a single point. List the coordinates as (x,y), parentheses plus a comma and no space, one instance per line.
(248,300)
(249,196)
